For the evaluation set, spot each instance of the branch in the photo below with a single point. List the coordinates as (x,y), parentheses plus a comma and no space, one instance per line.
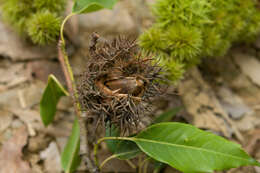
(84,149)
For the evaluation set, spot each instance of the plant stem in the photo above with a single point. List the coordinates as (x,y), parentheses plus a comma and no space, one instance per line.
(141,165)
(107,159)
(103,139)
(62,27)
(130,164)
(84,150)
(115,156)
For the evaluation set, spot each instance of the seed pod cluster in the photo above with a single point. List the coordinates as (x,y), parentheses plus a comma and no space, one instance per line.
(118,82)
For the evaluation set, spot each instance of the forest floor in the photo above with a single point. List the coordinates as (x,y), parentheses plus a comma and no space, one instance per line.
(221,95)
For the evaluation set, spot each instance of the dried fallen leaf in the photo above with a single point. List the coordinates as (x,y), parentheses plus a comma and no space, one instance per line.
(7,97)
(252,146)
(12,72)
(5,120)
(31,118)
(255,137)
(204,107)
(233,104)
(249,66)
(51,157)
(11,154)
(12,75)
(31,94)
(248,123)
(13,46)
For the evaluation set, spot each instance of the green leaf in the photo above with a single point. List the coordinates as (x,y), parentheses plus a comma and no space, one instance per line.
(190,149)
(164,117)
(127,150)
(50,98)
(87,6)
(70,159)
(112,131)
(167,116)
(121,149)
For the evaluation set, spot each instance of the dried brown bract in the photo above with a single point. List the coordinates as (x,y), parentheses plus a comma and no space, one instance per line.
(118,83)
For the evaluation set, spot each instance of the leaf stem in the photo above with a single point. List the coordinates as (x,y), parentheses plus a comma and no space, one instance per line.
(62,27)
(131,164)
(115,156)
(64,61)
(103,139)
(106,160)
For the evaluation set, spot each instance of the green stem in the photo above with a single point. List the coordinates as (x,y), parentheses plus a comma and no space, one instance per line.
(107,159)
(64,60)
(142,164)
(115,156)
(131,164)
(62,27)
(107,138)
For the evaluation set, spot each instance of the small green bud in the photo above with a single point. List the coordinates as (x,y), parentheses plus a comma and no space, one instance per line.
(43,27)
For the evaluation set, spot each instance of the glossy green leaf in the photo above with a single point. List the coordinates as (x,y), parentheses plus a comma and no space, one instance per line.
(70,159)
(112,131)
(167,116)
(164,117)
(50,98)
(87,6)
(121,149)
(190,149)
(127,150)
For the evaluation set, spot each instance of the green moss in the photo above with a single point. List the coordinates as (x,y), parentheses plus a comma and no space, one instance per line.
(54,6)
(187,11)
(185,31)
(252,28)
(175,69)
(183,42)
(211,40)
(25,15)
(153,40)
(15,12)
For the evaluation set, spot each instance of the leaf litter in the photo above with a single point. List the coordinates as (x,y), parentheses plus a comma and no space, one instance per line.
(11,156)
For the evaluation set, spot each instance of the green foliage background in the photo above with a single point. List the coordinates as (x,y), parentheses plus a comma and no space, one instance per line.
(185,31)
(38,19)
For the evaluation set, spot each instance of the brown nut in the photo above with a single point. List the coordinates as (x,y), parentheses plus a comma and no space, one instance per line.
(117,82)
